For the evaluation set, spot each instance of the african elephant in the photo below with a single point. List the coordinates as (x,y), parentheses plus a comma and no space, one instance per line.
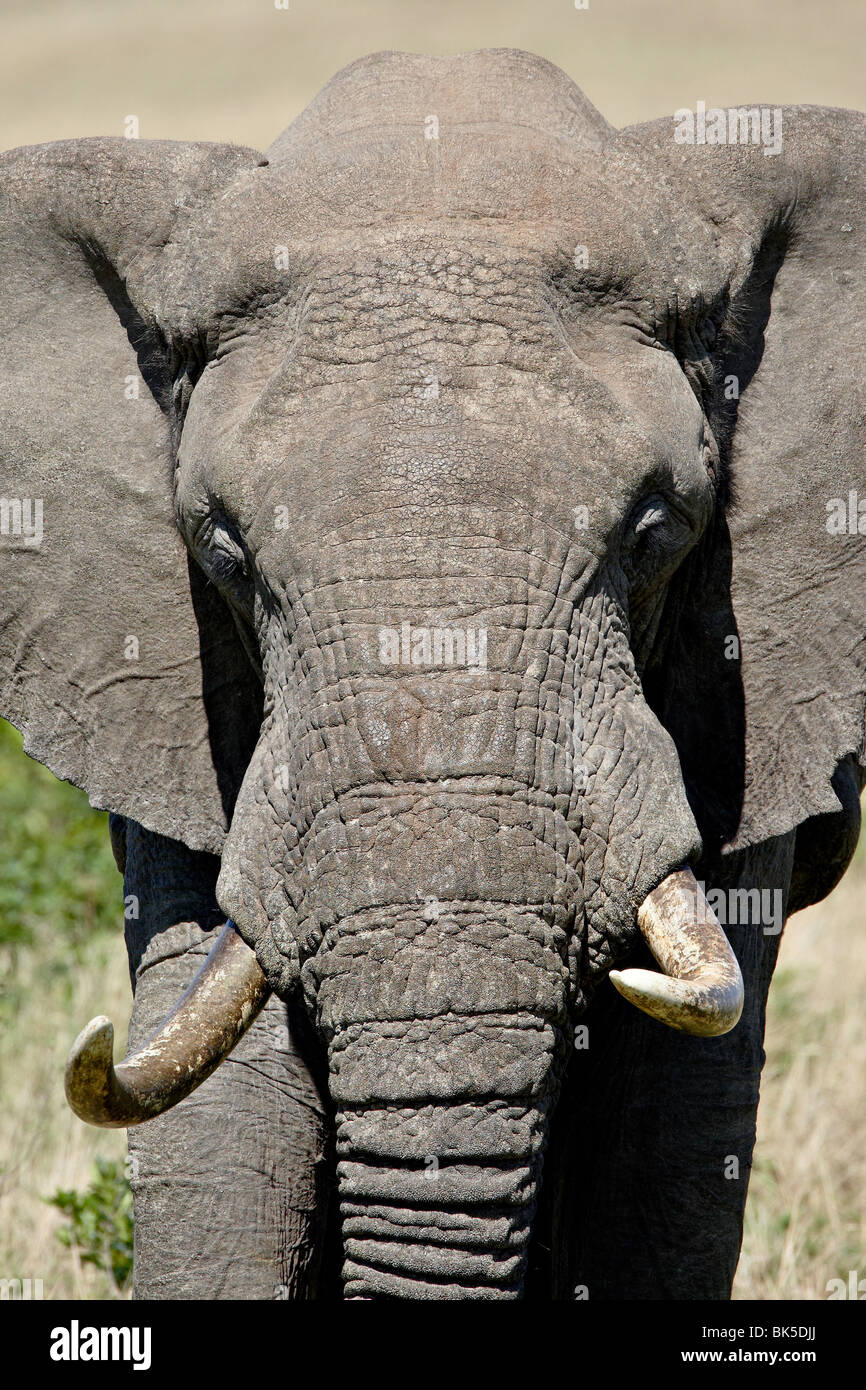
(437,543)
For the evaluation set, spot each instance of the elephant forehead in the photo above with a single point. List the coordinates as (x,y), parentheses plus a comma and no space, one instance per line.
(494,193)
(506,186)
(376,402)
(418,463)
(387,90)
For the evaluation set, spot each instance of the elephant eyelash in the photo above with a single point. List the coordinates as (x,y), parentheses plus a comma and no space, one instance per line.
(652,514)
(225,566)
(223,552)
(695,343)
(657,533)
(649,514)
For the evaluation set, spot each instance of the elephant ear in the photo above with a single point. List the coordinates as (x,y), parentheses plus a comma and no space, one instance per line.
(786,297)
(118,663)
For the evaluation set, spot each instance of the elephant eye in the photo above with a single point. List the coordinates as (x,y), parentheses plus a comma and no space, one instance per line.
(652,511)
(224,555)
(657,535)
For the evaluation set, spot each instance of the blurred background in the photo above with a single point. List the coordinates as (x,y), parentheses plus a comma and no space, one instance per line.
(241,70)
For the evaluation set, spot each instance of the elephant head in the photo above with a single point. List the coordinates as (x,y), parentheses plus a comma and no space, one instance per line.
(433,522)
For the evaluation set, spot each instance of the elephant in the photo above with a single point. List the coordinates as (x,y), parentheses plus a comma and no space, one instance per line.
(436,543)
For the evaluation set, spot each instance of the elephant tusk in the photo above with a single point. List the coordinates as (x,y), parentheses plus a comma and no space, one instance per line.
(209,1019)
(701,989)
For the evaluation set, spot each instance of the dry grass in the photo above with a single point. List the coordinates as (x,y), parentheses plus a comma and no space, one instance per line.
(806,1218)
(43,1146)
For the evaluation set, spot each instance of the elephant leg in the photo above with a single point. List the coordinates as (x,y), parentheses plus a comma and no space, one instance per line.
(652,1145)
(229,1187)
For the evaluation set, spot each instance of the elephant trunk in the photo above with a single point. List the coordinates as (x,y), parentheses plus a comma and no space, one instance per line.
(437,1178)
(446,1039)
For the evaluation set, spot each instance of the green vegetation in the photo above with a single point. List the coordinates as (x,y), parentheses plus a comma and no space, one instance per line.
(62,960)
(55,854)
(100,1221)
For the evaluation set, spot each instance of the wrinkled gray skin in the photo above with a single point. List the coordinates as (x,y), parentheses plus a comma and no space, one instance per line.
(377,375)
